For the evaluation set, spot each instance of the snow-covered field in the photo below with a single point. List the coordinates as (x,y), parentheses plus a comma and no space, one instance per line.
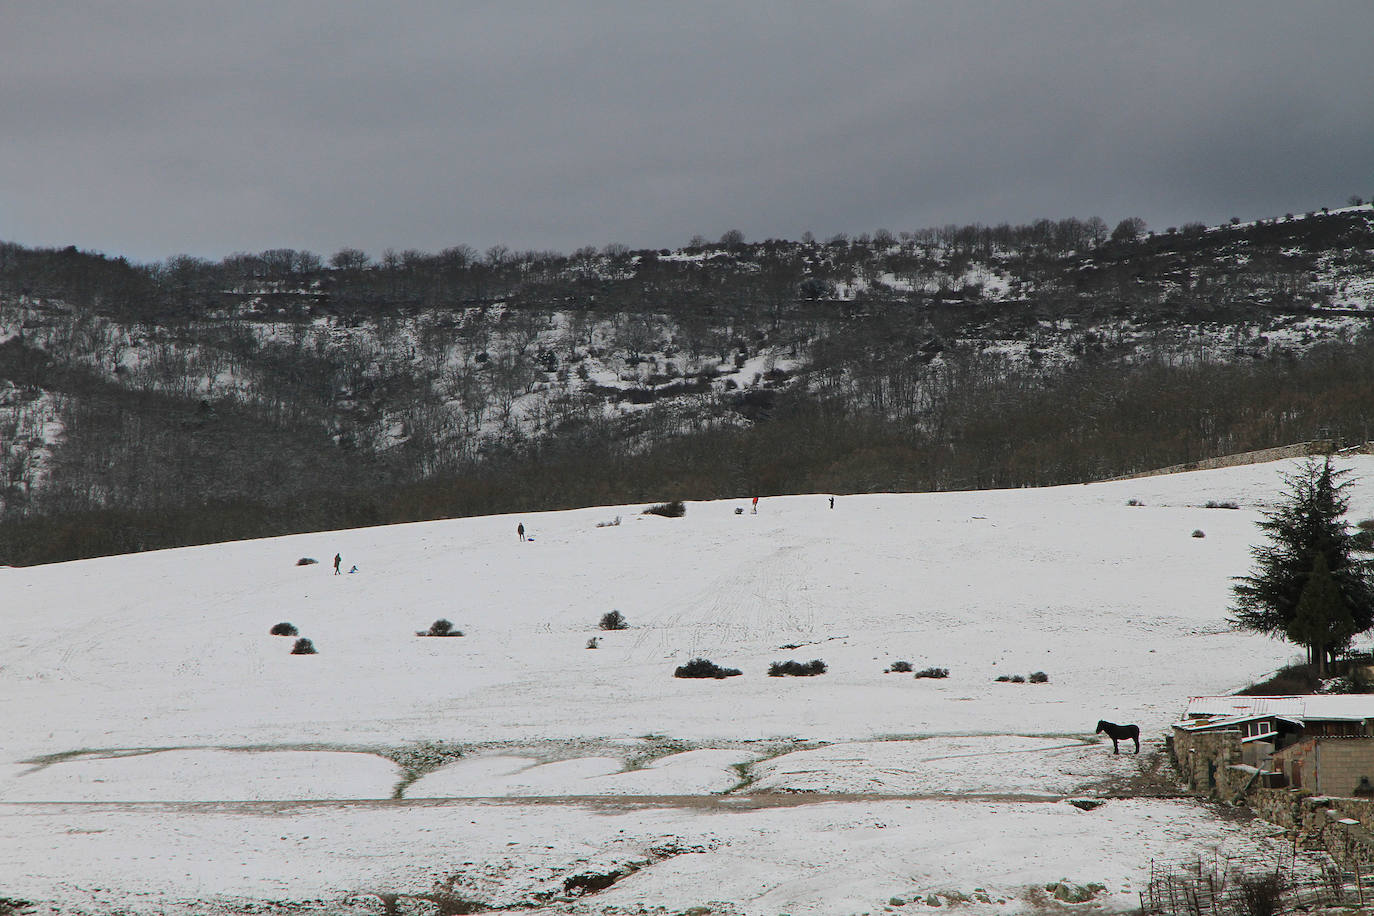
(162,753)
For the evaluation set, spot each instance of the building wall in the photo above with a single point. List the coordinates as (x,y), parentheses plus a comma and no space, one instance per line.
(1204,759)
(1299,762)
(1331,766)
(1343,761)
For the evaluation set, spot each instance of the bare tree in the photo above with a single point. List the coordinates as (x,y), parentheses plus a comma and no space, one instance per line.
(1129,229)
(349,259)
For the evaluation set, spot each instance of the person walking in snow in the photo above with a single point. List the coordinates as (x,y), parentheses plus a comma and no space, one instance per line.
(756,506)
(338,558)
(832,502)
(520,530)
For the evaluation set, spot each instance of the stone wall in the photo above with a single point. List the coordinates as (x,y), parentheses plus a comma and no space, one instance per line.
(1341,826)
(1283,807)
(1204,760)
(1299,450)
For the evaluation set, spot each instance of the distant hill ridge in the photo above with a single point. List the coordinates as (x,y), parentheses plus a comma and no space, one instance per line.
(189,401)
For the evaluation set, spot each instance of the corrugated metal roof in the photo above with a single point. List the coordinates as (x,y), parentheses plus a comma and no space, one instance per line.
(1340,706)
(1213,723)
(1199,707)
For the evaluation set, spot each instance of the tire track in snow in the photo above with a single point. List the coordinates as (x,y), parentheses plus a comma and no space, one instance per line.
(759,603)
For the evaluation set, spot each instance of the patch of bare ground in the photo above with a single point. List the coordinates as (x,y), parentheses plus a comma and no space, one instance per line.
(521,885)
(1153,778)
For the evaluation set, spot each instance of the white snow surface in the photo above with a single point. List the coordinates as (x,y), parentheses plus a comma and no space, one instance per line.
(163,753)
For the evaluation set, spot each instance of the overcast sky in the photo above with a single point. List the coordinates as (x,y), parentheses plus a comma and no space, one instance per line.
(155,127)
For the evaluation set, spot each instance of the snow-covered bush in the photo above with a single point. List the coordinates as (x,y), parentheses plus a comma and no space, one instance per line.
(674,509)
(796,669)
(283,629)
(1199,533)
(307,561)
(440,627)
(701,667)
(933,672)
(1039,677)
(898,667)
(303,646)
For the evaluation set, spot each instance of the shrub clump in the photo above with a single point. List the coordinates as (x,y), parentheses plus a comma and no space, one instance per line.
(1010,679)
(592,643)
(1356,680)
(897,667)
(1293,680)
(1199,533)
(440,627)
(701,667)
(303,646)
(674,509)
(613,620)
(307,561)
(797,669)
(1213,504)
(1363,538)
(283,629)
(1039,677)
(933,672)
(1261,894)
(1134,502)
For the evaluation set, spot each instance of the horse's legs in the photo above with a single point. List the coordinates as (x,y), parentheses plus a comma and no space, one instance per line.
(1137,744)
(1116,749)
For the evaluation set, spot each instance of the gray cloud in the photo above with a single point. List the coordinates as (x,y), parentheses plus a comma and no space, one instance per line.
(151,128)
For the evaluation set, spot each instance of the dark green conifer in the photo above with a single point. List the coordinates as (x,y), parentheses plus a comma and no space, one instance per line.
(1307,524)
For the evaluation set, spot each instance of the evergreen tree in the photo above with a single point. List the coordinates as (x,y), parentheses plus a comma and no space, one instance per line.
(1308,524)
(1322,621)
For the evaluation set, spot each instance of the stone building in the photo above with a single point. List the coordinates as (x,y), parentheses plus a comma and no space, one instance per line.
(1320,743)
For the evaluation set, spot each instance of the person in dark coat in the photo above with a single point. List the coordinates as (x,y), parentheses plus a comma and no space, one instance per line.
(338,558)
(520,530)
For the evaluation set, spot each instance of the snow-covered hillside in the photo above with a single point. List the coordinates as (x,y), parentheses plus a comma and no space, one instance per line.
(161,748)
(428,365)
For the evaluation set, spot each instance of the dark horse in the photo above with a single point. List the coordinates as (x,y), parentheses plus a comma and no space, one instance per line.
(1119,733)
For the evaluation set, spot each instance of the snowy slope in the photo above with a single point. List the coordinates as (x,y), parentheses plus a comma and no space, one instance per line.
(149,684)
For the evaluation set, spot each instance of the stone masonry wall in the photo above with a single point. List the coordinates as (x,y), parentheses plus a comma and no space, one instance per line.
(1300,450)
(1204,759)
(1278,806)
